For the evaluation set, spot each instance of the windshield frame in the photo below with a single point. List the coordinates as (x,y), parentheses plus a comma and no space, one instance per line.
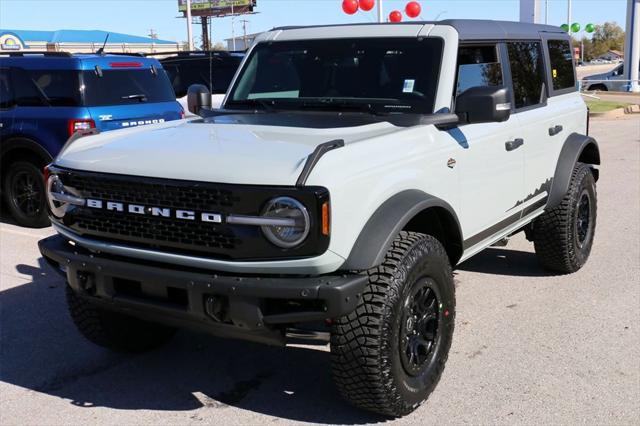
(290,104)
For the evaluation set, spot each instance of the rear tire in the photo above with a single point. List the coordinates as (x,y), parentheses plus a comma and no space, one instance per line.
(25,198)
(112,330)
(563,236)
(387,356)
(600,87)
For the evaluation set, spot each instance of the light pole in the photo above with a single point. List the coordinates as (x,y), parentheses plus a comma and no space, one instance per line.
(189,34)
(380,12)
(569,15)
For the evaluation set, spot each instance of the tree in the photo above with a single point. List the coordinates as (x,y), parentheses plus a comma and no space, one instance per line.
(219,46)
(608,36)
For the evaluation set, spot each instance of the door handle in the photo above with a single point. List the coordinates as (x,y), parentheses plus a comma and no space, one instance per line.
(514,144)
(554,130)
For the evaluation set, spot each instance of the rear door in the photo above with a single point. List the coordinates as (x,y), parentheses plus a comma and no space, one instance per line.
(547,107)
(491,174)
(6,103)
(47,100)
(129,95)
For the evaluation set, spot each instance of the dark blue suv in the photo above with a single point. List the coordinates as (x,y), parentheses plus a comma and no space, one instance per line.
(46,97)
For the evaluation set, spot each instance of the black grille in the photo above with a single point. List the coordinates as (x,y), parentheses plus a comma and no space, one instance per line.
(185,236)
(138,191)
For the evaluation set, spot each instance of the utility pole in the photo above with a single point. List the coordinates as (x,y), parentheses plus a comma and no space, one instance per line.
(569,15)
(380,12)
(189,34)
(205,32)
(546,12)
(233,29)
(244,34)
(153,34)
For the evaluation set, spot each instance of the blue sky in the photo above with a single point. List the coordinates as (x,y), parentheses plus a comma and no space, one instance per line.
(138,16)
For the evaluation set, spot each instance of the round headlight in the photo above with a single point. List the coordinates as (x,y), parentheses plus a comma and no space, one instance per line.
(292,233)
(54,184)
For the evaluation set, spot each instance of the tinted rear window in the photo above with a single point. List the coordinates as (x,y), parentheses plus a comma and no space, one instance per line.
(126,87)
(215,73)
(561,64)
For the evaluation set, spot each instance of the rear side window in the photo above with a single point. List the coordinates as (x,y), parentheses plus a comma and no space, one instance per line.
(43,88)
(527,73)
(478,66)
(561,64)
(126,87)
(6,97)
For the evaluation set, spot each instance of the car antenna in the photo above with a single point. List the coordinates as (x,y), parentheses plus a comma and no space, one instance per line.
(101,50)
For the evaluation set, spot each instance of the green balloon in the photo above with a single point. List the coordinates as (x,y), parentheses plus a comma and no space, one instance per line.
(575,27)
(589,28)
(565,27)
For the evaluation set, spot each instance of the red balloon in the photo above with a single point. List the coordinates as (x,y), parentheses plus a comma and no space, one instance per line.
(413,9)
(395,16)
(366,5)
(350,6)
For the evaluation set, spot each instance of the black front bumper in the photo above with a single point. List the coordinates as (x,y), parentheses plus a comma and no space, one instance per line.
(246,307)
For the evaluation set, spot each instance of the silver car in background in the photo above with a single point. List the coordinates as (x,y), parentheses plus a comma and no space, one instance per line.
(612,80)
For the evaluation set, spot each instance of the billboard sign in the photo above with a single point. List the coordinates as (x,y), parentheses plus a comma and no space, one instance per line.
(217,7)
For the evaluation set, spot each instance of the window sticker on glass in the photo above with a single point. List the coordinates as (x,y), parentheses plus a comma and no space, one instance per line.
(408,86)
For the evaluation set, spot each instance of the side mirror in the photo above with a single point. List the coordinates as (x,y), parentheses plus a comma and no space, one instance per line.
(198,98)
(484,104)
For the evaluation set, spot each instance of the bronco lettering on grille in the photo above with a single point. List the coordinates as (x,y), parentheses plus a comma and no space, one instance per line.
(154,211)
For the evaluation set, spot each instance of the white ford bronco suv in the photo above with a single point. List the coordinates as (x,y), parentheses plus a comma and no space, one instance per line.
(348,171)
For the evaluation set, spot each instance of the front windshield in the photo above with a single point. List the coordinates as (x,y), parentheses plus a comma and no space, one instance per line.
(376,75)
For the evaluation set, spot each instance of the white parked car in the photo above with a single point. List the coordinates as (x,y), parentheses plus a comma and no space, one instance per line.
(350,169)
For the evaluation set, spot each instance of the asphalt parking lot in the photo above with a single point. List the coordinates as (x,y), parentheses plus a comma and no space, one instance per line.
(529,348)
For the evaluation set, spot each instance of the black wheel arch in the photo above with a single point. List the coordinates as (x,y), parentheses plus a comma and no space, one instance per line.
(23,148)
(410,210)
(576,148)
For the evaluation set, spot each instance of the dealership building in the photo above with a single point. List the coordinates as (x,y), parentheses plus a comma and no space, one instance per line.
(80,41)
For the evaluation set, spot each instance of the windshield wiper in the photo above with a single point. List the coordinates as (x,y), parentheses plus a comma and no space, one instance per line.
(265,104)
(342,104)
(140,96)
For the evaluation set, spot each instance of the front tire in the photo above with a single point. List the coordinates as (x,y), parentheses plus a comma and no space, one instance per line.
(388,355)
(563,236)
(113,330)
(23,188)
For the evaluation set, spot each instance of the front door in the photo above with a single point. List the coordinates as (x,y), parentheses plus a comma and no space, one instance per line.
(491,166)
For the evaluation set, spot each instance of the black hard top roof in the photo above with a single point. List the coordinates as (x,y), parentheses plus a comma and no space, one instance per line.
(472,29)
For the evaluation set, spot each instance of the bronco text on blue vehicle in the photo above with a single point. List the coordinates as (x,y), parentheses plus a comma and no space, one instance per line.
(46,97)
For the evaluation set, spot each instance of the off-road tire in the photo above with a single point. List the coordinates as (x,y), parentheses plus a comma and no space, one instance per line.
(13,179)
(366,347)
(112,330)
(555,234)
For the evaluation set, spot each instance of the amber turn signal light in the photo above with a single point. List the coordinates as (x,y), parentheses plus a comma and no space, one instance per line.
(325,219)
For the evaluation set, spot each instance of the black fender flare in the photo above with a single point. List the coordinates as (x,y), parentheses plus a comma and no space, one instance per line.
(385,224)
(26,144)
(572,151)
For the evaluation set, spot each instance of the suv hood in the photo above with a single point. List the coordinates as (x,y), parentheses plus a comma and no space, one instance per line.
(214,150)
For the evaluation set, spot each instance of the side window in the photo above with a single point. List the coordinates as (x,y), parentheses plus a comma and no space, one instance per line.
(619,70)
(46,87)
(478,66)
(25,91)
(6,97)
(561,64)
(527,72)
